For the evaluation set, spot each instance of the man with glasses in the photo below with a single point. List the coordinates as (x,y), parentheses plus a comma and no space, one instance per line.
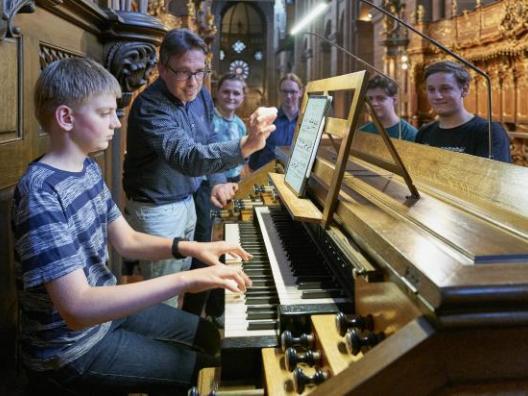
(291,90)
(171,148)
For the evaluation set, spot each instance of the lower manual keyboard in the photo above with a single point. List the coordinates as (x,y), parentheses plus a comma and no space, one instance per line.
(253,314)
(288,272)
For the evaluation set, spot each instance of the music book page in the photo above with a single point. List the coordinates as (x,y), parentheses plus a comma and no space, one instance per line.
(307,143)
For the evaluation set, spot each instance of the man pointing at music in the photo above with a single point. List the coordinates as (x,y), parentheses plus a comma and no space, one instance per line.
(171,148)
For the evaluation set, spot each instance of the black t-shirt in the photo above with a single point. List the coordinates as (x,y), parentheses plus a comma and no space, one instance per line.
(469,138)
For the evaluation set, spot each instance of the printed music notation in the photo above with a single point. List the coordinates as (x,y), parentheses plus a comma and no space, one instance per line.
(307,143)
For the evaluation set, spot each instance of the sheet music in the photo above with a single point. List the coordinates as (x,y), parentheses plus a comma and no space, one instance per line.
(307,143)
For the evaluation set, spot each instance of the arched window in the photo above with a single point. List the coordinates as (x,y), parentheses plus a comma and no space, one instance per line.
(243,43)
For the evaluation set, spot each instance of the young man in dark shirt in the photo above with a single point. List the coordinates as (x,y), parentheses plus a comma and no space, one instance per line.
(456,129)
(382,94)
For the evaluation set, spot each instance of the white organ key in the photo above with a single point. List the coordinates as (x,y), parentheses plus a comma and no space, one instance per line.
(285,281)
(236,324)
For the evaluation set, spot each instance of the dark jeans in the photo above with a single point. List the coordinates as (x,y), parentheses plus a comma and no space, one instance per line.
(159,350)
(212,299)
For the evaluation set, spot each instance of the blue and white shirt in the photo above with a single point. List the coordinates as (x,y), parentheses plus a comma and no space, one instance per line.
(60,222)
(226,130)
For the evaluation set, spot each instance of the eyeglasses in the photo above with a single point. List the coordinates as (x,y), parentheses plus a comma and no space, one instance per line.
(289,92)
(184,75)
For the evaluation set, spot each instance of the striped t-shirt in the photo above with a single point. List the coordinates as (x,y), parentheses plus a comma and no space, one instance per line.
(60,222)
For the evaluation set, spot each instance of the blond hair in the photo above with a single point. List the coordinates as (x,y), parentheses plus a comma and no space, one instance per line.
(71,82)
(293,77)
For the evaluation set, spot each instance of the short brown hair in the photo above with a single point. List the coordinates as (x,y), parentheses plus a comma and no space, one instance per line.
(177,42)
(231,77)
(456,69)
(71,82)
(387,85)
(293,77)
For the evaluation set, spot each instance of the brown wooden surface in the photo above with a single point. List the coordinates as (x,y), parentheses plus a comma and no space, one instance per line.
(278,380)
(432,244)
(208,380)
(420,361)
(390,308)
(301,209)
(490,188)
(331,344)
(387,370)
(258,177)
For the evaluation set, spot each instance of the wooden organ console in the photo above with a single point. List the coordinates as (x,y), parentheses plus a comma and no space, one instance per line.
(397,295)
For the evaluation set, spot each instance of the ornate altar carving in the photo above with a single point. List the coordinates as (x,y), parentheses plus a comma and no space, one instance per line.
(495,38)
(205,21)
(131,63)
(515,18)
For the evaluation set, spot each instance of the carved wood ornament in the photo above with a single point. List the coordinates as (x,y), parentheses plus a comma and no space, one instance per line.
(8,10)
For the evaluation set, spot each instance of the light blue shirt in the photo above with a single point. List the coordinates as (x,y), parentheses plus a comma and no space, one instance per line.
(226,130)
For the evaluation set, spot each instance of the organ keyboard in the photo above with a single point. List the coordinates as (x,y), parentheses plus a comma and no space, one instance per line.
(290,277)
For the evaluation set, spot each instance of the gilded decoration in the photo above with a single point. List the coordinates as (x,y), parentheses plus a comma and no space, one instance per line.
(206,24)
(493,37)
(519,151)
(515,18)
(157,9)
(420,14)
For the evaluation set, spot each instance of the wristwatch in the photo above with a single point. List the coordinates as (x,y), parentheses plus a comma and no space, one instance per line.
(175,251)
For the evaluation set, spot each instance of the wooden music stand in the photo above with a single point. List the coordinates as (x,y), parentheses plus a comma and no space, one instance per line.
(303,209)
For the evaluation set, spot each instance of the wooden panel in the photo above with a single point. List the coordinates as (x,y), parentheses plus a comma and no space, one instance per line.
(336,126)
(401,365)
(208,380)
(22,141)
(474,179)
(8,300)
(508,99)
(9,80)
(521,102)
(424,263)
(332,345)
(470,101)
(478,240)
(496,97)
(466,29)
(278,380)
(301,209)
(389,306)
